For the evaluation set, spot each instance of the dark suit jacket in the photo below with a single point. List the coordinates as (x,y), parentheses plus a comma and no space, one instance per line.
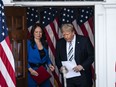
(84,55)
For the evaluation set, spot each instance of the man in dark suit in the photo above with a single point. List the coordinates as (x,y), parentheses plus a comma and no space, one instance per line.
(82,54)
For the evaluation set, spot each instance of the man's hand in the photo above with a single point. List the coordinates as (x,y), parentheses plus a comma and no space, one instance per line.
(78,68)
(63,69)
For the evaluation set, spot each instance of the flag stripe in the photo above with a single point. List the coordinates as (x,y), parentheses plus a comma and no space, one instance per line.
(51,45)
(57,79)
(7,69)
(7,63)
(8,52)
(5,74)
(83,28)
(2,80)
(77,28)
(54,29)
(52,49)
(91,24)
(90,34)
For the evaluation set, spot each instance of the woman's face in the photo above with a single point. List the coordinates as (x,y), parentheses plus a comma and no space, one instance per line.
(38,33)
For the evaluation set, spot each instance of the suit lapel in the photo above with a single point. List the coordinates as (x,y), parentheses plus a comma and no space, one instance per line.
(77,48)
(64,50)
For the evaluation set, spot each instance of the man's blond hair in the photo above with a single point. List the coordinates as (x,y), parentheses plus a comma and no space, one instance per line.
(67,27)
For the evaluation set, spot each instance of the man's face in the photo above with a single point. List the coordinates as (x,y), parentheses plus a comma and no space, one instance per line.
(68,35)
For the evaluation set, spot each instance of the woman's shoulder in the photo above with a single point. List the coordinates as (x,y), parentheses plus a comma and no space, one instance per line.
(28,42)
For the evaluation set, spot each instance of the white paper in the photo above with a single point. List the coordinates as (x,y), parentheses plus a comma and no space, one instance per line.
(70,65)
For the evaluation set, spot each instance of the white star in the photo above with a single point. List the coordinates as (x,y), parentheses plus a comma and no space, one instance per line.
(45,12)
(72,11)
(87,12)
(81,15)
(36,16)
(48,18)
(2,14)
(67,20)
(64,9)
(71,16)
(68,10)
(2,7)
(32,9)
(36,10)
(2,20)
(68,15)
(44,17)
(3,34)
(49,13)
(28,13)
(43,22)
(64,14)
(86,17)
(50,8)
(81,21)
(82,10)
(63,19)
(31,14)
(31,20)
(3,27)
(7,29)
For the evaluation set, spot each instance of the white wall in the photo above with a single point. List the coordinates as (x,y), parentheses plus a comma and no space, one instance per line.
(105,44)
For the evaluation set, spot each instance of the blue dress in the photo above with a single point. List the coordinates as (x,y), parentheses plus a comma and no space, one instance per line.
(34,58)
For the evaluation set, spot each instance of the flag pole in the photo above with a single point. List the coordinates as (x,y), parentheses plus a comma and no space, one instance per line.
(64,76)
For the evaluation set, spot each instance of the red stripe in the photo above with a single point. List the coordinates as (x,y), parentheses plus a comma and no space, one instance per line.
(2,81)
(54,31)
(50,44)
(7,64)
(91,24)
(57,21)
(85,33)
(57,79)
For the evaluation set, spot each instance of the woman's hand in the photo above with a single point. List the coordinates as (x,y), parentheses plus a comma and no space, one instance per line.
(51,67)
(33,72)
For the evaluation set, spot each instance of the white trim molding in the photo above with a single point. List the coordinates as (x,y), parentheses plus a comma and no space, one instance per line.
(105,44)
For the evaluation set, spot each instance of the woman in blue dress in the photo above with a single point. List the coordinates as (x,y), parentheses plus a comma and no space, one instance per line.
(37,55)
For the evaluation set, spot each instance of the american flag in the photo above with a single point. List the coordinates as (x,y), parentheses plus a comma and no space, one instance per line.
(51,27)
(7,69)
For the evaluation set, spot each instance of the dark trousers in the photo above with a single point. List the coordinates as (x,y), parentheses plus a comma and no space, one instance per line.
(77,82)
